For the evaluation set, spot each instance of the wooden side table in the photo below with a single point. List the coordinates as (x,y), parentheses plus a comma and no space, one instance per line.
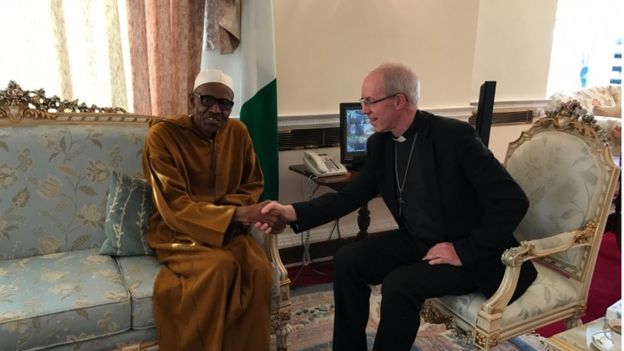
(577,339)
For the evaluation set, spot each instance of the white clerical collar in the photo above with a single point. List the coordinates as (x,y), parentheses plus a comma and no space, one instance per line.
(399,139)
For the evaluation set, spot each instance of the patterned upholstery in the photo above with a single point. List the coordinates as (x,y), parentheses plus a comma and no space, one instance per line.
(139,274)
(605,96)
(564,165)
(604,102)
(128,211)
(79,296)
(112,342)
(548,292)
(562,179)
(59,173)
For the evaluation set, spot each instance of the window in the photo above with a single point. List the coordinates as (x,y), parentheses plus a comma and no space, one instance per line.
(587,45)
(74,49)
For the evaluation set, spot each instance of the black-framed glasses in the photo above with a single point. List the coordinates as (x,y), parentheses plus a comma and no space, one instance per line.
(368,102)
(225,105)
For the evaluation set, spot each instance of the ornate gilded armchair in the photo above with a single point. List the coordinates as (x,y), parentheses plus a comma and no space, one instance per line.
(564,165)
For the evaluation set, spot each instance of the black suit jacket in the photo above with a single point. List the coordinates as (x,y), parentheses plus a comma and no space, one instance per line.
(478,201)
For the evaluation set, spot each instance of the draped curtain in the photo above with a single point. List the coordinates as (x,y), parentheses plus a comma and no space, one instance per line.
(165,40)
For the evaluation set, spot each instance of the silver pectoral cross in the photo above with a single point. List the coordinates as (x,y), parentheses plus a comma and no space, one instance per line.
(401,202)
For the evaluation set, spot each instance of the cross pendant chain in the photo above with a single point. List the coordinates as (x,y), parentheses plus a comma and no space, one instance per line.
(401,185)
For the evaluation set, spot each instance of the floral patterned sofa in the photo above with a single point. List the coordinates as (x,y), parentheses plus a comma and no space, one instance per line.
(605,103)
(57,292)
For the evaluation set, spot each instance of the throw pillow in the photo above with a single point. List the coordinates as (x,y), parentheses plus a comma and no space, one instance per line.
(128,211)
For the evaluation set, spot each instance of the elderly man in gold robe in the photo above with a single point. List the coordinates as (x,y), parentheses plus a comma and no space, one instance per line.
(213,292)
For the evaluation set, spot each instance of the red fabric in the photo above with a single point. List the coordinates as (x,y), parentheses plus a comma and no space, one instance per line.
(605,288)
(311,274)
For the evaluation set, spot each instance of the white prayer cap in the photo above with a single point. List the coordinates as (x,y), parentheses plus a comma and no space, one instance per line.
(213,76)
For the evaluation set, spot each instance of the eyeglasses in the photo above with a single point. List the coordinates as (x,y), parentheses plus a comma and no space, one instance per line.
(368,102)
(208,101)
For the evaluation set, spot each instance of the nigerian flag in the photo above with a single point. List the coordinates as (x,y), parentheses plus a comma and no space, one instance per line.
(252,66)
(259,88)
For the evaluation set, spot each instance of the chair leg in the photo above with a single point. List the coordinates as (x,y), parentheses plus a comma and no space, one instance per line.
(572,322)
(281,329)
(575,320)
(432,315)
(486,342)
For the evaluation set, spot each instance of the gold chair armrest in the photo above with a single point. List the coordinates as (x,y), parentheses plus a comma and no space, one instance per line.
(529,250)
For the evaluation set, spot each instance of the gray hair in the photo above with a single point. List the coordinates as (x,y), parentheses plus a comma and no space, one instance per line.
(399,78)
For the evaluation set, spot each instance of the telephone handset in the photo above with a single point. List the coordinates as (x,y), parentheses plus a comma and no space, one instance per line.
(322,165)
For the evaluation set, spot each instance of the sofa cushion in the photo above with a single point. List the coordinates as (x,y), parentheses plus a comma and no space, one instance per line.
(609,111)
(61,298)
(595,96)
(139,274)
(128,213)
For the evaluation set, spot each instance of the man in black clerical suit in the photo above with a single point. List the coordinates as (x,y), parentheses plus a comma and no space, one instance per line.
(455,204)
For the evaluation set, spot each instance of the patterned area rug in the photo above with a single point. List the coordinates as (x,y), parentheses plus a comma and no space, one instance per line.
(312,323)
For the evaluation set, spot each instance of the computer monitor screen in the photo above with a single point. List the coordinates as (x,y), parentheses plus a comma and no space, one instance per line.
(354,132)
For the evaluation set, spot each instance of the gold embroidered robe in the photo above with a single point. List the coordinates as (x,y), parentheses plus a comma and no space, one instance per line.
(213,290)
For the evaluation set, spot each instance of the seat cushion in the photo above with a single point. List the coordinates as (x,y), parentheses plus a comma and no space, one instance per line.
(61,298)
(549,291)
(139,274)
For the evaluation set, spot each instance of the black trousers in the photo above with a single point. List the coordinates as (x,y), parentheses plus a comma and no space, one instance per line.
(394,260)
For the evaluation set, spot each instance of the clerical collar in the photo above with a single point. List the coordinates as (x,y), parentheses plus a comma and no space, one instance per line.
(400,139)
(411,131)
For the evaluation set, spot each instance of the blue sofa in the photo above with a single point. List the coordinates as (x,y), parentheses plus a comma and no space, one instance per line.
(57,292)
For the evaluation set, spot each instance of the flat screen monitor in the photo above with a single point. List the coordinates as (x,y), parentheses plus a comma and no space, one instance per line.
(354,132)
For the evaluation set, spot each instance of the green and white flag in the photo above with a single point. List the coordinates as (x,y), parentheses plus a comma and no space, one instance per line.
(252,67)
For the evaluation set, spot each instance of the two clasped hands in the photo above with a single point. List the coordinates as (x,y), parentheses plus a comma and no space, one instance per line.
(271,217)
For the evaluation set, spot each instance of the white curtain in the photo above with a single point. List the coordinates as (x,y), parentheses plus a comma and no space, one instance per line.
(140,55)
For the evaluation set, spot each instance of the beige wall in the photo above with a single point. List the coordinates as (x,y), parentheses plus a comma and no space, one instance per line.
(325,47)
(514,40)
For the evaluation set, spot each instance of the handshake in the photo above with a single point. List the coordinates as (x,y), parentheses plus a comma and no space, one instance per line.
(270,217)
